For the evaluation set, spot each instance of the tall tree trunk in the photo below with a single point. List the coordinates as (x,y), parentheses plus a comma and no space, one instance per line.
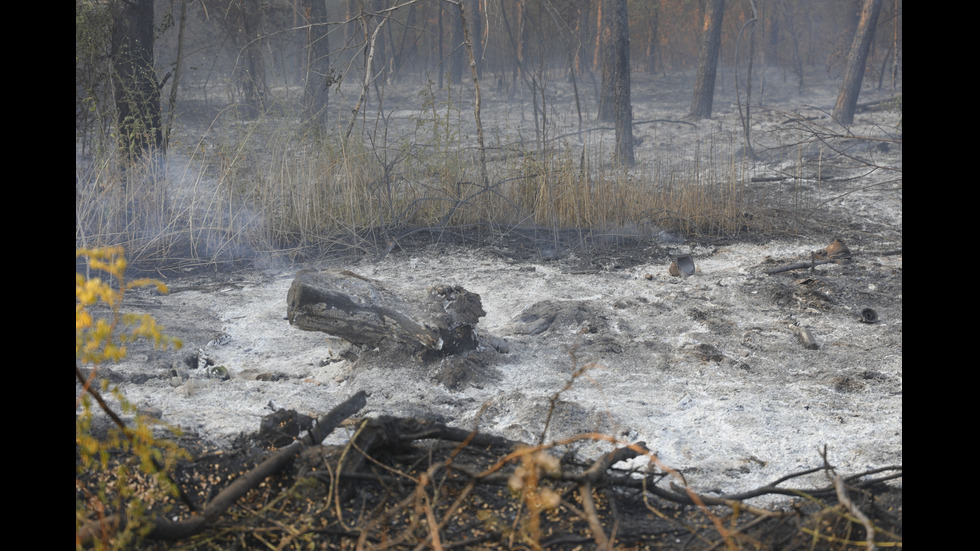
(319,77)
(856,60)
(624,105)
(614,103)
(704,89)
(137,95)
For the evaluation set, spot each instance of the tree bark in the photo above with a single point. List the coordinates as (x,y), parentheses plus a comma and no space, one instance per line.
(137,94)
(856,60)
(704,89)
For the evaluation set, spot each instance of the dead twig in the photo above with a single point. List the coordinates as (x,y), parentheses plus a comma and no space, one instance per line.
(166,529)
(834,260)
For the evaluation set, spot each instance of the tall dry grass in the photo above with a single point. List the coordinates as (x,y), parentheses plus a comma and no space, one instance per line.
(272,188)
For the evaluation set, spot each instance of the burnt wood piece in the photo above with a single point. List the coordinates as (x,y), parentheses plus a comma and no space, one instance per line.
(436,321)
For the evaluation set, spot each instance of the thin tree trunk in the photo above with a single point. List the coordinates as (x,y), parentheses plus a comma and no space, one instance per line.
(570,51)
(369,45)
(442,63)
(895,45)
(458,52)
(746,116)
(652,42)
(178,65)
(382,57)
(599,32)
(476,34)
(467,40)
(704,89)
(606,46)
(856,60)
(319,78)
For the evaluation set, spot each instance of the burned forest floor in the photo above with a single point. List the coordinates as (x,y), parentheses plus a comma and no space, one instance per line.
(752,403)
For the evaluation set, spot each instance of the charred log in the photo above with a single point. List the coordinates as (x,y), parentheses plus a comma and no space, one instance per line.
(438,321)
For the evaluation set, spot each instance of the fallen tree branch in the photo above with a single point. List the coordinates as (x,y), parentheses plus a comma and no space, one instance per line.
(834,260)
(462,494)
(166,529)
(172,530)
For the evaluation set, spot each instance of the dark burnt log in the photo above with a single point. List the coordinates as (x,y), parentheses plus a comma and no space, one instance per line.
(438,321)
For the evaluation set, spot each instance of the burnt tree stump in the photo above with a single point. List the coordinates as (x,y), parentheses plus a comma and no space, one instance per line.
(437,321)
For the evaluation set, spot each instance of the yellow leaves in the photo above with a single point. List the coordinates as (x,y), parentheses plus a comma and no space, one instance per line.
(146,282)
(83,319)
(98,339)
(90,291)
(102,333)
(146,327)
(111,260)
(527,476)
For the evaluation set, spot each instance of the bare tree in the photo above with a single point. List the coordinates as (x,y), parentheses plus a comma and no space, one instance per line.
(704,88)
(137,94)
(370,50)
(856,60)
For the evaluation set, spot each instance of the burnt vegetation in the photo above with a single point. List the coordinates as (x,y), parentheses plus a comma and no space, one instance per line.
(226,133)
(217,133)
